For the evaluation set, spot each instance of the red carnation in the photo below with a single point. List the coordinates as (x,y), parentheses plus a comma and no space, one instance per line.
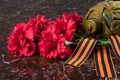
(75,17)
(68,24)
(21,41)
(51,45)
(38,24)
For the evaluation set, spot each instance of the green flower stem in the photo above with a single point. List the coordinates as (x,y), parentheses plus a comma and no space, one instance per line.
(101,42)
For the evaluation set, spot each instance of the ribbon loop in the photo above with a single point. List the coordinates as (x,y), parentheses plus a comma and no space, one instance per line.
(82,52)
(115,43)
(103,62)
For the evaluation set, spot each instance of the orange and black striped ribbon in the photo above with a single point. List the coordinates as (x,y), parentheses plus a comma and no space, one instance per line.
(115,43)
(103,62)
(82,52)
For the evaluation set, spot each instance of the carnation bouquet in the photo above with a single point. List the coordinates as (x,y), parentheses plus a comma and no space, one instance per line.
(45,37)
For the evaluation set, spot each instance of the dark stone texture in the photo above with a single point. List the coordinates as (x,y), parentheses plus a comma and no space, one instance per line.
(35,67)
